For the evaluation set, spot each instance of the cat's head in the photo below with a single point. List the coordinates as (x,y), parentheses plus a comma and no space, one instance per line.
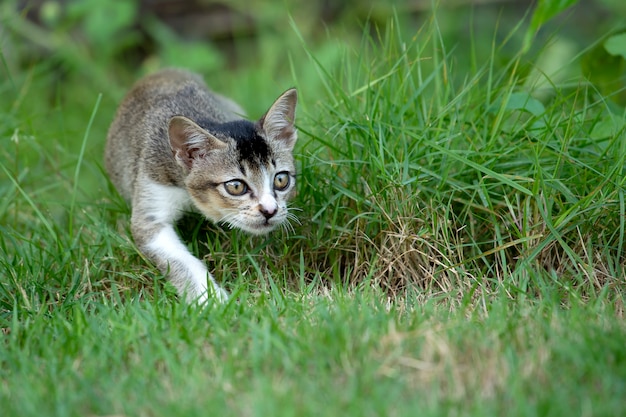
(240,173)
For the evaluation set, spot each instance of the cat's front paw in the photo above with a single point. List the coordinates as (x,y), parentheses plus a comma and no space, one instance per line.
(219,294)
(213,294)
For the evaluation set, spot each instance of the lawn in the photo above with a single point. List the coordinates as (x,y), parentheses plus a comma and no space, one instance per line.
(461,201)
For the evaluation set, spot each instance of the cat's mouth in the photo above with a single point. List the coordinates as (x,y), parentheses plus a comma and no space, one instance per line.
(260,228)
(253,226)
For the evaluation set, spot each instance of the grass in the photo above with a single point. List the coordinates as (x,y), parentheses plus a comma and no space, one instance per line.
(302,354)
(461,249)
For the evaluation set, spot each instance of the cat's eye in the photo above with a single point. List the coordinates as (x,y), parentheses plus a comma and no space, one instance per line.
(281,181)
(236,187)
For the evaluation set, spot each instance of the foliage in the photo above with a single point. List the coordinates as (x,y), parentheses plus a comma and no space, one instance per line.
(461,248)
(545,10)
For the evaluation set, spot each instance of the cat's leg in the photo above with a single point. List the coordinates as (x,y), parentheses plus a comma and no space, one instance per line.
(153,231)
(186,272)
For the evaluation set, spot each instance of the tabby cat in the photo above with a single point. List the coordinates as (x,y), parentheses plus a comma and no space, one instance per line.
(176,146)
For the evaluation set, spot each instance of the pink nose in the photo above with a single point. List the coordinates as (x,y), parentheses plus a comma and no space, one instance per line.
(268,214)
(268,206)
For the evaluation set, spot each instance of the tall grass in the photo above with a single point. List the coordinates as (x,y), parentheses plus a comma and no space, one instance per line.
(455,182)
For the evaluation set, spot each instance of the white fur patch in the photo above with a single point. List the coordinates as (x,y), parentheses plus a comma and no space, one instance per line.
(166,203)
(168,247)
(268,203)
(267,200)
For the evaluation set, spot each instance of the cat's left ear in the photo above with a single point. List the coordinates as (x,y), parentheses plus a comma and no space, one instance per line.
(278,122)
(190,142)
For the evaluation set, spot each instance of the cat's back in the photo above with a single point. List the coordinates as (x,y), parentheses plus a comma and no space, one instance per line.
(175,91)
(166,84)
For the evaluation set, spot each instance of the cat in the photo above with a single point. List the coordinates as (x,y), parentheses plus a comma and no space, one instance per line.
(174,145)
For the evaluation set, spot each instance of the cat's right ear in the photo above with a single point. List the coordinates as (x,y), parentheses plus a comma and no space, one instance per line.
(189,141)
(278,122)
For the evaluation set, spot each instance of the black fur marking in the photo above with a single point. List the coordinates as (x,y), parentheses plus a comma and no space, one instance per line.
(251,146)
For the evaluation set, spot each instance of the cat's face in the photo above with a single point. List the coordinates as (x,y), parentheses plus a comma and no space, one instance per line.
(249,193)
(241,173)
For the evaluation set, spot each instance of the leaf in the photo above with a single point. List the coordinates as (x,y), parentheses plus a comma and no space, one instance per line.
(546,10)
(616,45)
(524,101)
(520,101)
(608,127)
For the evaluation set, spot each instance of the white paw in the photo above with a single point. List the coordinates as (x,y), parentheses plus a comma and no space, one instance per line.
(211,295)
(219,294)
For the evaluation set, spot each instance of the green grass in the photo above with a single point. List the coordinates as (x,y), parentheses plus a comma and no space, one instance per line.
(461,250)
(303,354)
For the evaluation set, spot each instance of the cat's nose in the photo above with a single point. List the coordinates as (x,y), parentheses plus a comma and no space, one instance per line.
(268,206)
(268,213)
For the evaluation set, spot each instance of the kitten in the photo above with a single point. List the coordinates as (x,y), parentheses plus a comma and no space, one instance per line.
(174,146)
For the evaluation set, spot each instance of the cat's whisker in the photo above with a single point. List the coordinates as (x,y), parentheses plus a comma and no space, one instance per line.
(291,216)
(287,226)
(231,220)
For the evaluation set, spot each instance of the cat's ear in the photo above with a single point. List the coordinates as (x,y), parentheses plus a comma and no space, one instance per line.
(278,122)
(189,141)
